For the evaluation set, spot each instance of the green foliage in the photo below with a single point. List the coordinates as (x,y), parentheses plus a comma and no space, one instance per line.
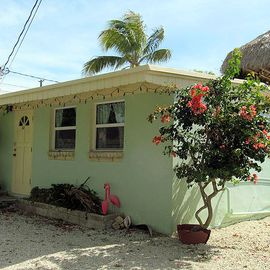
(127,37)
(233,69)
(218,131)
(204,71)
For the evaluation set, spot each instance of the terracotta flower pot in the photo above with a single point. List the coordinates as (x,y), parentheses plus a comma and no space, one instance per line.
(192,234)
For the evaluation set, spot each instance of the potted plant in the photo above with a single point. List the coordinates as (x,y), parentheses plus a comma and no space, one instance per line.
(219,133)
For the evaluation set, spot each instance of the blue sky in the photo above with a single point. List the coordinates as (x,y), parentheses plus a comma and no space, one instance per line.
(64,33)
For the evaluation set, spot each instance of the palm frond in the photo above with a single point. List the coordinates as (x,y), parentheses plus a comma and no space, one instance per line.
(116,39)
(158,56)
(125,36)
(137,33)
(154,41)
(96,64)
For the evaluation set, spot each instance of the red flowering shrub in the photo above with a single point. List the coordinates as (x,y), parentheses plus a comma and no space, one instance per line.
(219,131)
(196,104)
(157,140)
(165,118)
(248,115)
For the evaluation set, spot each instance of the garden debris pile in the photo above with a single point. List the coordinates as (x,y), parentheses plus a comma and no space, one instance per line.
(68,196)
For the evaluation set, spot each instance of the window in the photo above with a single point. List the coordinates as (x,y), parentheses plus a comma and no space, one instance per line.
(64,128)
(24,121)
(110,119)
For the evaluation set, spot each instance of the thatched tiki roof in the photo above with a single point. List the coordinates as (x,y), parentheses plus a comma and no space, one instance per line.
(255,57)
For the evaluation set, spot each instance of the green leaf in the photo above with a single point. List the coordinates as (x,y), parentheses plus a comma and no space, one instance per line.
(99,63)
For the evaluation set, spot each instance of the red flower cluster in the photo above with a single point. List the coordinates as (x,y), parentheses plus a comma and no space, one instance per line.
(253,177)
(157,140)
(259,145)
(196,105)
(248,115)
(165,118)
(265,132)
(198,88)
(197,92)
(258,140)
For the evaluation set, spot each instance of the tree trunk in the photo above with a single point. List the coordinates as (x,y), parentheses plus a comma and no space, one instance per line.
(207,202)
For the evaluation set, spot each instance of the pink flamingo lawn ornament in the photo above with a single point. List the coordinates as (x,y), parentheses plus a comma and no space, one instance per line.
(109,198)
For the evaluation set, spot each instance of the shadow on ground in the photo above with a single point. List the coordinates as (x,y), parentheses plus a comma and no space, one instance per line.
(39,243)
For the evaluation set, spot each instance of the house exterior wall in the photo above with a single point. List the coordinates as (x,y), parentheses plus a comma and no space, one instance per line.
(141,179)
(236,203)
(6,145)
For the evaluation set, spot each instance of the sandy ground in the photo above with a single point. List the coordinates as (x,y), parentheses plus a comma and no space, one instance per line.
(29,242)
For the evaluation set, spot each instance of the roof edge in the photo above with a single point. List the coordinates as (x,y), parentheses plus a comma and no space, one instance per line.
(165,71)
(78,81)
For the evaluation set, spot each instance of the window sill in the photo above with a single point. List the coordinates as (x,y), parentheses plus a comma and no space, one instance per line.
(61,155)
(106,155)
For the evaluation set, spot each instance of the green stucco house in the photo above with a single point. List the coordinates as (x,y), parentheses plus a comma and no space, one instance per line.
(97,127)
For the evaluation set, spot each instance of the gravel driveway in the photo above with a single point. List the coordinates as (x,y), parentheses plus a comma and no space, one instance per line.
(30,242)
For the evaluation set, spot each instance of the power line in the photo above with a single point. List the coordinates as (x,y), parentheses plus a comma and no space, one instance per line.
(22,32)
(20,44)
(40,79)
(4,70)
(31,76)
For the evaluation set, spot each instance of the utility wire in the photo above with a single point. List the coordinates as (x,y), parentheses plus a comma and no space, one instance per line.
(31,76)
(22,32)
(4,70)
(20,44)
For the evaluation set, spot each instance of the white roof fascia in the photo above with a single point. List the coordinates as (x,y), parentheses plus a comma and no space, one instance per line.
(146,73)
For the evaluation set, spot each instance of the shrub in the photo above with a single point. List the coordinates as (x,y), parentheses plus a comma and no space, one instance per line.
(219,131)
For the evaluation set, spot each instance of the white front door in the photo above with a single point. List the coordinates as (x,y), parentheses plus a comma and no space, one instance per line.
(22,152)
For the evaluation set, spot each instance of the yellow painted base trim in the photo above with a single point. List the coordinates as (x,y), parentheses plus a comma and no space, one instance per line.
(61,155)
(106,155)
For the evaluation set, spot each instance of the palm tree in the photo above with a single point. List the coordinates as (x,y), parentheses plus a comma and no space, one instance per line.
(128,38)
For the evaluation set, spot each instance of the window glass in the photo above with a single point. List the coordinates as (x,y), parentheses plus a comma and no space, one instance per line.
(65,129)
(24,121)
(110,118)
(65,117)
(110,113)
(110,138)
(65,139)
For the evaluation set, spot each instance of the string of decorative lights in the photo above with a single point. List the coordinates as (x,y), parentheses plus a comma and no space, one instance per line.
(90,96)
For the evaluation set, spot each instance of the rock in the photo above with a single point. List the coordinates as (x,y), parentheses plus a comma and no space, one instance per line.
(118,223)
(119,220)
